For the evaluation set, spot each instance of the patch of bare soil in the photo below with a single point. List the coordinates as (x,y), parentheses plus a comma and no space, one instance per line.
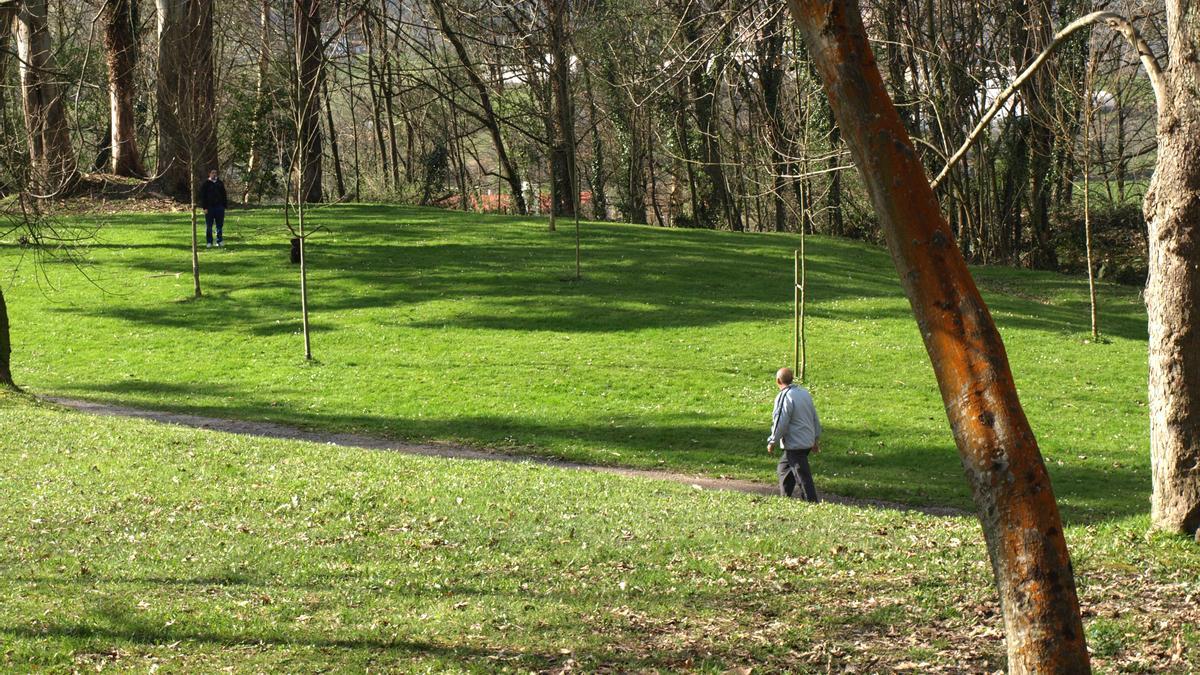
(104,194)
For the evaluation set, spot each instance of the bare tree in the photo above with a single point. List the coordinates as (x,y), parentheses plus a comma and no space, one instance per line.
(1172,211)
(254,180)
(489,117)
(563,161)
(192,144)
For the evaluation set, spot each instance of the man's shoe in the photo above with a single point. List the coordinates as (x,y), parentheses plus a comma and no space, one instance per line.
(220,244)
(208,246)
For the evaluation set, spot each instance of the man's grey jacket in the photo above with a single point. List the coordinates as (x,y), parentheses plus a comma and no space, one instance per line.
(794,424)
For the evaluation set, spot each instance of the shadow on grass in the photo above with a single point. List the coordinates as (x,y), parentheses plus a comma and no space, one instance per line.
(506,274)
(112,624)
(126,628)
(917,475)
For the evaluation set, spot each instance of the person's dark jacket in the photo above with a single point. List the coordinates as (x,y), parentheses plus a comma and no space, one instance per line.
(213,195)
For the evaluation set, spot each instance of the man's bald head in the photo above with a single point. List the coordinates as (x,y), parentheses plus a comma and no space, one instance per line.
(784,376)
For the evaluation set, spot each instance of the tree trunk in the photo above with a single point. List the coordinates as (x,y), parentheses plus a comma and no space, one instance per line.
(598,181)
(635,174)
(683,140)
(120,44)
(6,127)
(836,221)
(389,101)
(52,158)
(716,203)
(485,102)
(770,79)
(254,181)
(1032,36)
(717,206)
(187,118)
(1008,478)
(335,152)
(1172,210)
(309,68)
(193,200)
(372,78)
(563,163)
(6,378)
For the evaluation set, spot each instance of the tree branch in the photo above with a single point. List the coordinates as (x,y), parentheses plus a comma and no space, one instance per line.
(1114,21)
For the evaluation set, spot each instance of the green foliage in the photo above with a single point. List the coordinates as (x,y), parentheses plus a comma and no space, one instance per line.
(439,325)
(249,115)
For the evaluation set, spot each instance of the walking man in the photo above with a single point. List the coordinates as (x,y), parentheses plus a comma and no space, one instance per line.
(796,430)
(214,200)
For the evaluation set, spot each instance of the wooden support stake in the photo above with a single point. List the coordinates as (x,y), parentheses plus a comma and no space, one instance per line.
(803,306)
(796,311)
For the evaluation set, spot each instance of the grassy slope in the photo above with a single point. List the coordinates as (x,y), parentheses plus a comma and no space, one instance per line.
(138,546)
(431,324)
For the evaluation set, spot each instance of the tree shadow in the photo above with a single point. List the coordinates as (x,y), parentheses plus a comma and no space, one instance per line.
(857,462)
(111,621)
(634,278)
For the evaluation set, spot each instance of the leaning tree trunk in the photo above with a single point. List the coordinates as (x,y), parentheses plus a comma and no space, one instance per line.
(51,156)
(485,103)
(120,44)
(1172,210)
(1008,478)
(308,97)
(187,118)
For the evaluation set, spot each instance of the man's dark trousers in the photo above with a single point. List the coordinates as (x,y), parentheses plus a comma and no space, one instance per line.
(214,216)
(794,473)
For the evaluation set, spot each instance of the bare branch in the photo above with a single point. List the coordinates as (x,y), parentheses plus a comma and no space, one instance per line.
(1113,20)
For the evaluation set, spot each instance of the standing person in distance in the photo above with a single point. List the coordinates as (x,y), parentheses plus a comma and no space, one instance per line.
(214,199)
(797,431)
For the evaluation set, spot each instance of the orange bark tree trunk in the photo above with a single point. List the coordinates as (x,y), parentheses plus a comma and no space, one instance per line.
(1008,478)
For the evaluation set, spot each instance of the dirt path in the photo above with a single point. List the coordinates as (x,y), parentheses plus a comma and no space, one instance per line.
(272,430)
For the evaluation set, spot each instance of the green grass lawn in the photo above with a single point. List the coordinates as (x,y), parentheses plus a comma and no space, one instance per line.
(132,546)
(440,325)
